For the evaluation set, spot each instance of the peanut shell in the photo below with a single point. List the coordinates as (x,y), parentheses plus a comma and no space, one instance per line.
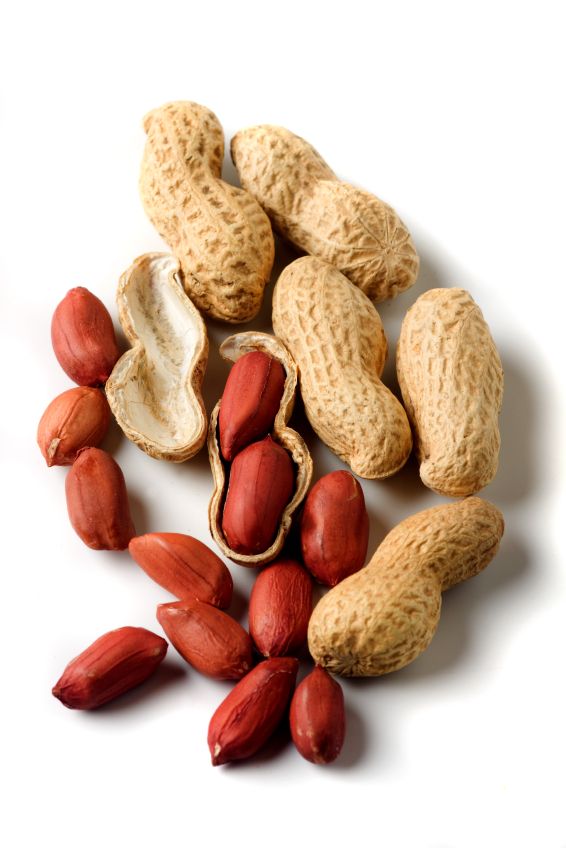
(220,234)
(336,337)
(338,222)
(383,617)
(451,379)
(154,390)
(231,349)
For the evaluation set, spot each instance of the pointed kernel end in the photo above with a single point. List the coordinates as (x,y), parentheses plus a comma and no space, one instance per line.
(227,447)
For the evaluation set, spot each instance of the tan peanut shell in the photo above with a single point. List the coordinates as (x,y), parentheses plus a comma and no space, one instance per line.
(231,349)
(154,390)
(336,338)
(219,233)
(307,203)
(451,379)
(383,617)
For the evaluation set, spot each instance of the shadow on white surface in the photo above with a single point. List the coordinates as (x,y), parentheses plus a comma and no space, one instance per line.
(140,512)
(516,478)
(356,745)
(277,744)
(168,676)
(465,607)
(238,608)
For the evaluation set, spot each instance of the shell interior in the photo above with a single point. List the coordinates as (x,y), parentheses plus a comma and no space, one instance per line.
(154,390)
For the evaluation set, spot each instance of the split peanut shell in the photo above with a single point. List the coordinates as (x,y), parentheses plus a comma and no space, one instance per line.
(231,349)
(154,390)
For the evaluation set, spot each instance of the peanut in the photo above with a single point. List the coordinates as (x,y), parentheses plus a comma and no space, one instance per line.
(383,617)
(219,233)
(261,484)
(184,566)
(75,419)
(250,401)
(336,338)
(280,608)
(247,717)
(334,528)
(451,379)
(232,349)
(317,717)
(97,501)
(154,389)
(112,665)
(83,338)
(207,638)
(337,222)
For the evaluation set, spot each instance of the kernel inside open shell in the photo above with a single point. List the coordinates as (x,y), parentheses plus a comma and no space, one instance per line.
(232,349)
(154,390)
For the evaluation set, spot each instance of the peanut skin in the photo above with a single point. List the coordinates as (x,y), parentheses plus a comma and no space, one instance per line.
(334,528)
(317,717)
(83,338)
(75,419)
(260,486)
(383,617)
(233,349)
(111,666)
(184,566)
(250,401)
(249,714)
(207,638)
(280,608)
(97,501)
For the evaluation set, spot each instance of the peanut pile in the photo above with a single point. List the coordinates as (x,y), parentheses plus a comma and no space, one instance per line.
(329,343)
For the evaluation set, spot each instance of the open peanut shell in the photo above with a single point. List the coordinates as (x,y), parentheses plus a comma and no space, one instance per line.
(154,389)
(232,349)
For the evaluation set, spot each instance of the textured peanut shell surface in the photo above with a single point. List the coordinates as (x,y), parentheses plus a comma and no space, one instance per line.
(383,617)
(231,349)
(154,390)
(337,340)
(451,379)
(219,233)
(307,203)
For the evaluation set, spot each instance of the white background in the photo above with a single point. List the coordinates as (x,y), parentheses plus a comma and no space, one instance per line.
(452,112)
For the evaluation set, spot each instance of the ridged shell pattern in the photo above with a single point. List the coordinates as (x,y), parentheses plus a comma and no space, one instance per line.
(451,379)
(383,617)
(220,234)
(338,222)
(336,337)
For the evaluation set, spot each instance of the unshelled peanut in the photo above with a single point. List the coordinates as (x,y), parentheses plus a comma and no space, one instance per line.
(220,234)
(451,379)
(350,228)
(383,617)
(336,338)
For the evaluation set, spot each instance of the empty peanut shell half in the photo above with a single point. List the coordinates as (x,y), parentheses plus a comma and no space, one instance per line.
(155,388)
(232,349)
